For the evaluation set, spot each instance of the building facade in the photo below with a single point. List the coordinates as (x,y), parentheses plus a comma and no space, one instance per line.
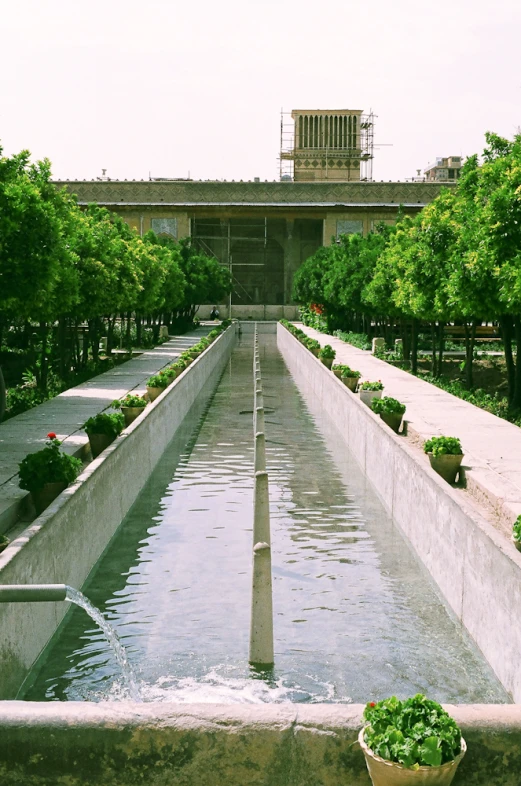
(444,170)
(261,231)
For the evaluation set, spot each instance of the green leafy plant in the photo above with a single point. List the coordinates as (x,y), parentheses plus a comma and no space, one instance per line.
(416,732)
(443,446)
(372,385)
(111,424)
(350,372)
(49,465)
(130,400)
(360,340)
(312,343)
(516,530)
(161,380)
(326,352)
(387,405)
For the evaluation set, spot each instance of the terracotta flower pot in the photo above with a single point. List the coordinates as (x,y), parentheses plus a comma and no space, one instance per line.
(446,465)
(98,443)
(367,396)
(131,413)
(517,544)
(393,420)
(337,372)
(43,497)
(328,362)
(153,393)
(350,382)
(315,352)
(390,773)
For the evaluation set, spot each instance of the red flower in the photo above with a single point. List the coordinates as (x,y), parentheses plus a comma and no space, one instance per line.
(51,435)
(372,704)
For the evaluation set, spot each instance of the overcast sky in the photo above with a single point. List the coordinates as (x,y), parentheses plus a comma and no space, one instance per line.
(171,88)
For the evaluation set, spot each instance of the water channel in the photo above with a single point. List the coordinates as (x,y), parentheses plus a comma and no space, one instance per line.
(356,616)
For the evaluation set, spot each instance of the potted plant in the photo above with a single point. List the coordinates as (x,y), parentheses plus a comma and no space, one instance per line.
(158,382)
(47,472)
(313,345)
(326,355)
(445,455)
(370,391)
(131,406)
(350,378)
(516,533)
(390,410)
(4,542)
(103,429)
(410,742)
(337,369)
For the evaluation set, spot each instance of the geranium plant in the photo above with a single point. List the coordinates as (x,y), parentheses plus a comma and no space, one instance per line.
(350,372)
(161,380)
(387,406)
(416,732)
(443,446)
(372,385)
(49,465)
(326,352)
(110,424)
(130,400)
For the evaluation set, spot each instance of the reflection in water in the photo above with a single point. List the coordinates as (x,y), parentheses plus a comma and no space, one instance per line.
(355,616)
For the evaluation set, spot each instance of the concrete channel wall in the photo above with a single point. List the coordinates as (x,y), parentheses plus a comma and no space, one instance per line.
(477,570)
(79,744)
(66,541)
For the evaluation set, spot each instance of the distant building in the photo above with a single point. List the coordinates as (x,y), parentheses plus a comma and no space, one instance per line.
(326,145)
(445,169)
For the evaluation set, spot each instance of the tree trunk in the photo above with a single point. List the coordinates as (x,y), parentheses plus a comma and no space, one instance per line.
(139,334)
(94,338)
(434,365)
(516,398)
(2,395)
(128,339)
(441,347)
(404,335)
(42,377)
(470,336)
(62,333)
(414,347)
(506,330)
(110,334)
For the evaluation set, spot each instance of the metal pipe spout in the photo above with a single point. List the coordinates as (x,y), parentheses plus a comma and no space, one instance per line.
(32,593)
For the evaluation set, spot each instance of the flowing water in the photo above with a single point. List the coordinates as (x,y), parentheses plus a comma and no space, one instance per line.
(120,653)
(356,616)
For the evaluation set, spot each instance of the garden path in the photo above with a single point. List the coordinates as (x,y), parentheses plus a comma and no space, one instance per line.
(65,414)
(492,446)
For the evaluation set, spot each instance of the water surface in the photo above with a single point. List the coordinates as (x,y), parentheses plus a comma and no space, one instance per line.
(356,617)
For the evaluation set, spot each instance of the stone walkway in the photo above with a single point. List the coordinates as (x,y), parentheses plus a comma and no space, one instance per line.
(65,415)
(492,446)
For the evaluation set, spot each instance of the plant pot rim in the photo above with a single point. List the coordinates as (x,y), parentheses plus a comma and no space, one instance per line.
(396,765)
(445,455)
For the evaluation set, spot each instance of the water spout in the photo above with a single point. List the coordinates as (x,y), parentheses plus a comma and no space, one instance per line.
(74,596)
(50,593)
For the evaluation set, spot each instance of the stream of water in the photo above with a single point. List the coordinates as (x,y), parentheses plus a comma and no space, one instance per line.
(356,616)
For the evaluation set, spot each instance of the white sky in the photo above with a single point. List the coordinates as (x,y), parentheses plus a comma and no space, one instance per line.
(174,87)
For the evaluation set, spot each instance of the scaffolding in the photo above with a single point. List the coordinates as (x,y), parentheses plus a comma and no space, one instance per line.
(357,146)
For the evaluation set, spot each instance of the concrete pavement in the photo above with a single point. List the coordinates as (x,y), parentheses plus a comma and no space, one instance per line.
(65,415)
(492,446)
